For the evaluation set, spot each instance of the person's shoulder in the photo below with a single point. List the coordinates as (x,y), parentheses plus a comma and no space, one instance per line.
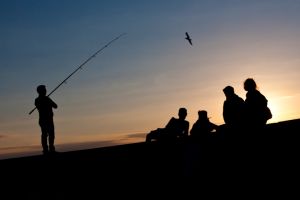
(240,99)
(258,93)
(173,119)
(38,98)
(197,122)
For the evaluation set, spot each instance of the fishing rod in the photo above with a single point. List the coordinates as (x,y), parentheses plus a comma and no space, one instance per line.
(80,66)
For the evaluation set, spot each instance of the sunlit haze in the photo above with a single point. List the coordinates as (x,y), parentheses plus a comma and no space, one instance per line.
(138,82)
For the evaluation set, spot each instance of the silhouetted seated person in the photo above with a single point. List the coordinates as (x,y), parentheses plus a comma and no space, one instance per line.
(203,129)
(233,110)
(176,128)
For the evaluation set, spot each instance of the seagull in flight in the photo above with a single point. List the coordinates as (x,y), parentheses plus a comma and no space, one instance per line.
(188,38)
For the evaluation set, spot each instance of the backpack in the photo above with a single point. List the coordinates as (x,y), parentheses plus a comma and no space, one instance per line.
(268,113)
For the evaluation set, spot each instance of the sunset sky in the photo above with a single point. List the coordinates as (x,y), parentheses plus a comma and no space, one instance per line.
(138,82)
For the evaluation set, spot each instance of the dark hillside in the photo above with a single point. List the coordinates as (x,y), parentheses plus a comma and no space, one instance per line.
(270,157)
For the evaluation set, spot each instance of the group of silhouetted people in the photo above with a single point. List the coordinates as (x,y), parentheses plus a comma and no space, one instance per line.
(249,115)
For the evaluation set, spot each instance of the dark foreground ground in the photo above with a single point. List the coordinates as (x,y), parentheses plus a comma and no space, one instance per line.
(266,162)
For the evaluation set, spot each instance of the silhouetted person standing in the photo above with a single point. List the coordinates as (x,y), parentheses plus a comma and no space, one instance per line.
(255,105)
(233,110)
(256,119)
(176,128)
(44,105)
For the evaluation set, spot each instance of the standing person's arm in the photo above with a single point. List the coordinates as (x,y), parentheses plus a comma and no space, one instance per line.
(36,103)
(53,104)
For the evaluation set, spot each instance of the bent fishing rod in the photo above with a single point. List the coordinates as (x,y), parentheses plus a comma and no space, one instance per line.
(80,66)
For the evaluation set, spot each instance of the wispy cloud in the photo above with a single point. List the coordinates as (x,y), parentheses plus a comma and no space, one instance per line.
(19,151)
(119,140)
(287,97)
(131,138)
(86,145)
(136,135)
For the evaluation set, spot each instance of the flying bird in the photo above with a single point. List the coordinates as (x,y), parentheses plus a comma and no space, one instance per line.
(188,38)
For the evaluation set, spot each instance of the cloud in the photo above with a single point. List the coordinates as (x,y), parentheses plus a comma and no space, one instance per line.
(20,151)
(136,135)
(8,152)
(287,97)
(86,145)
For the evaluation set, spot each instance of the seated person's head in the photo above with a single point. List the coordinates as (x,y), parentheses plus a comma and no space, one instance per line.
(202,114)
(182,113)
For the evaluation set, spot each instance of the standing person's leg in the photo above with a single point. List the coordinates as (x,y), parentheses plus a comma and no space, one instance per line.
(51,133)
(44,137)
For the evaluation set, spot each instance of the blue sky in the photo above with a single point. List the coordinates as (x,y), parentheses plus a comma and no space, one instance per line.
(139,82)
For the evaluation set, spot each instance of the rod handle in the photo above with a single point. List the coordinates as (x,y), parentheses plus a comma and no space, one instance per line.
(32,111)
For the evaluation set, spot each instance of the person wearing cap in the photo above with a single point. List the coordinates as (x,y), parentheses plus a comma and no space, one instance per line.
(202,129)
(45,105)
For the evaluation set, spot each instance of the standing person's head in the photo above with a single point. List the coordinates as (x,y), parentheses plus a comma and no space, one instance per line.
(182,113)
(41,90)
(249,84)
(228,91)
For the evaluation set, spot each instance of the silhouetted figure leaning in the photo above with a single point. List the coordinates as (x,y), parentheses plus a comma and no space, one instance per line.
(44,105)
(176,128)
